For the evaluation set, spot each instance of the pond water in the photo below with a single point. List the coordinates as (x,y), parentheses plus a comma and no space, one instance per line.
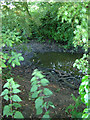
(57,60)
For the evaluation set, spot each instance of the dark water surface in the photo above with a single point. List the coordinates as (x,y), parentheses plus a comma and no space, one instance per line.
(56,60)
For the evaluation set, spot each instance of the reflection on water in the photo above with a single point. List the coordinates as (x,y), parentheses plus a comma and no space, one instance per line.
(57,60)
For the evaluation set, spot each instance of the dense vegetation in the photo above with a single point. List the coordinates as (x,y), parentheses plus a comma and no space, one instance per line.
(62,23)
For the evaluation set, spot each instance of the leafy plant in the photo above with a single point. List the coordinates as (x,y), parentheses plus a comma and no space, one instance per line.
(84,91)
(72,109)
(9,94)
(82,64)
(40,93)
(10,57)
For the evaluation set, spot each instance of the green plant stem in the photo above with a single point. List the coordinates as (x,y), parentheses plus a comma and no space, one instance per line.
(11,101)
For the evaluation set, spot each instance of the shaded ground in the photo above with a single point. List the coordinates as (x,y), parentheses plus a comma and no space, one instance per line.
(61,98)
(22,75)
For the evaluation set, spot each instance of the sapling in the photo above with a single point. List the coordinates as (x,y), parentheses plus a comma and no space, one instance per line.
(39,93)
(9,94)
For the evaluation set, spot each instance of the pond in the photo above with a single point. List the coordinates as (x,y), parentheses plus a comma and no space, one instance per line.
(56,60)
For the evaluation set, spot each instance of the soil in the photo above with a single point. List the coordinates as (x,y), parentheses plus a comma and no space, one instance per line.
(61,97)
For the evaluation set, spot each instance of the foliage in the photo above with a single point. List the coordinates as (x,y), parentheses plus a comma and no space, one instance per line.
(84,91)
(40,93)
(80,30)
(8,59)
(11,57)
(62,22)
(9,94)
(81,39)
(82,64)
(65,23)
(72,109)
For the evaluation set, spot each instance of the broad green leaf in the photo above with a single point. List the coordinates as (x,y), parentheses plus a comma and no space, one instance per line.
(18,115)
(13,64)
(44,82)
(86,115)
(84,78)
(7,111)
(39,111)
(35,95)
(4,92)
(6,85)
(34,83)
(15,85)
(34,88)
(40,91)
(16,91)
(85,110)
(6,97)
(38,102)
(33,79)
(21,58)
(3,65)
(16,105)
(46,91)
(35,71)
(16,98)
(46,117)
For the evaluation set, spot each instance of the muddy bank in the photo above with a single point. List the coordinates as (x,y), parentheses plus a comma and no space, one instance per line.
(29,50)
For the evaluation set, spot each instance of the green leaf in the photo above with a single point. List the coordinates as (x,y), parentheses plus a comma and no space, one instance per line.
(47,91)
(34,88)
(86,98)
(4,92)
(16,105)
(44,82)
(84,78)
(85,115)
(13,64)
(35,95)
(16,91)
(6,85)
(51,104)
(21,58)
(39,111)
(46,116)
(18,115)
(16,98)
(39,91)
(33,79)
(34,83)
(85,110)
(15,85)
(39,75)
(6,97)
(7,111)
(3,65)
(38,102)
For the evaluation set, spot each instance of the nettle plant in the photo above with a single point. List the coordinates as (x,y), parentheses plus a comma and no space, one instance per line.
(9,59)
(9,94)
(39,93)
